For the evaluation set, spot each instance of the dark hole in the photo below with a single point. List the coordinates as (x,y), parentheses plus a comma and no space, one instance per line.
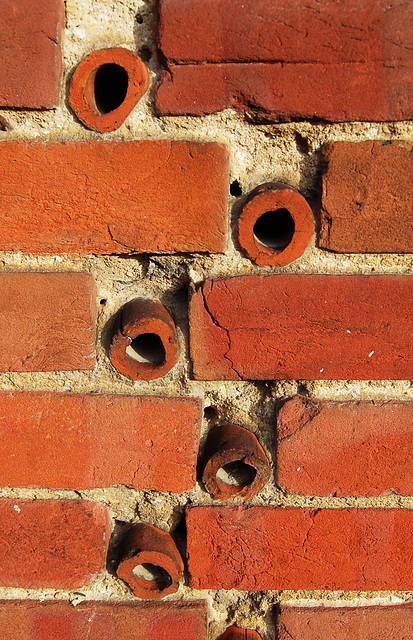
(235,189)
(147,348)
(139,19)
(275,229)
(145,54)
(103,301)
(210,412)
(237,473)
(155,577)
(111,86)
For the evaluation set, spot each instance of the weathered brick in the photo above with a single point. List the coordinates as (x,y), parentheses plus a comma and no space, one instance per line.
(336,61)
(52,543)
(342,623)
(345,448)
(113,197)
(84,441)
(367,198)
(47,321)
(30,55)
(262,548)
(31,620)
(302,327)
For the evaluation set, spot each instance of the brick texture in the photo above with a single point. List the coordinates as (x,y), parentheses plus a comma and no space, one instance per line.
(367,198)
(342,623)
(262,548)
(52,543)
(30,56)
(113,197)
(47,321)
(344,448)
(336,61)
(302,327)
(84,441)
(30,620)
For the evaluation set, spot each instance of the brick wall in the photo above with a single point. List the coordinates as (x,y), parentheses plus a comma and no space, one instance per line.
(206,408)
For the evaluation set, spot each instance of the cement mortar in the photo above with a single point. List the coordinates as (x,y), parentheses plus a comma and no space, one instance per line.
(259,152)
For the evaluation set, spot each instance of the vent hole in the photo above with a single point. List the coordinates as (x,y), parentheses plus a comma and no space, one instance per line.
(153,576)
(237,473)
(111,86)
(147,348)
(275,229)
(235,189)
(145,54)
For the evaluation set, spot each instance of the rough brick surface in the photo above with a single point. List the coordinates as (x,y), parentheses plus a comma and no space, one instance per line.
(52,543)
(31,620)
(345,448)
(342,623)
(336,61)
(367,198)
(30,56)
(298,327)
(47,321)
(262,548)
(113,197)
(50,439)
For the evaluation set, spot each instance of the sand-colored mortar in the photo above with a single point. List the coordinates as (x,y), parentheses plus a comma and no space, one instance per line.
(259,152)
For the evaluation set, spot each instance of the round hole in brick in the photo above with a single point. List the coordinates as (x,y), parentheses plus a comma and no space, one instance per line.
(152,576)
(237,474)
(110,87)
(147,348)
(275,229)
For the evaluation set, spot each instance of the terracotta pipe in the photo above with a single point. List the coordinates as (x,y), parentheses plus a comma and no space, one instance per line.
(144,343)
(234,633)
(276,225)
(106,86)
(235,464)
(150,562)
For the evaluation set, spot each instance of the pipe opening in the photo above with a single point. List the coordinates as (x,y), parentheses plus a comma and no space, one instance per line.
(152,576)
(237,473)
(110,87)
(275,229)
(147,348)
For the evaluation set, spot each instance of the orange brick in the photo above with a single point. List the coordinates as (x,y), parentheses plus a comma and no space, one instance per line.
(273,548)
(84,441)
(152,196)
(302,327)
(31,620)
(52,543)
(47,321)
(30,55)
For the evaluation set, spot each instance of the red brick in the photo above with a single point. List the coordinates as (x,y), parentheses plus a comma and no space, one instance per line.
(367,198)
(145,442)
(298,327)
(30,55)
(345,448)
(113,197)
(342,623)
(335,61)
(263,548)
(31,620)
(59,544)
(47,321)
